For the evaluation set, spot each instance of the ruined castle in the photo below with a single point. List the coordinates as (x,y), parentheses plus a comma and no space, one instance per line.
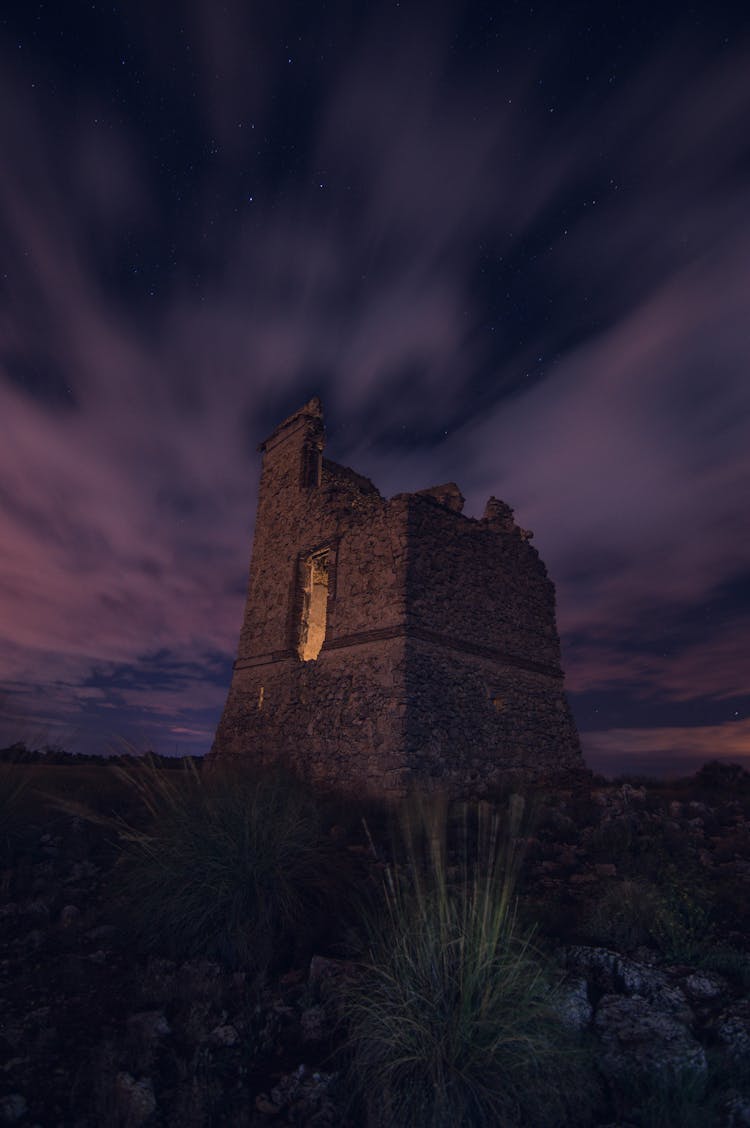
(390,643)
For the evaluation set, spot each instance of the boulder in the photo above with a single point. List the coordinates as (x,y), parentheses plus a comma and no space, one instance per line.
(572,1004)
(732,1030)
(639,1038)
(613,973)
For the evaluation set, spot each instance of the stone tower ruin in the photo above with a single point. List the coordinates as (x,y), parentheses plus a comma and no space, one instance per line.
(390,643)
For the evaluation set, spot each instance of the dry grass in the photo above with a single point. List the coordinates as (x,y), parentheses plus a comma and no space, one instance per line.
(452,1019)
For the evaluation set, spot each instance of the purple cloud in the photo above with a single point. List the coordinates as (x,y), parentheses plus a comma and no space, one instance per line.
(131,398)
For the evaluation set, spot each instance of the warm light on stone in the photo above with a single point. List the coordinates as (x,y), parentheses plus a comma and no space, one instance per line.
(314,606)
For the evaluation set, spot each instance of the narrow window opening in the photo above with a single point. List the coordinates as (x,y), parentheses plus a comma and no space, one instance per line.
(260,698)
(311,468)
(314,606)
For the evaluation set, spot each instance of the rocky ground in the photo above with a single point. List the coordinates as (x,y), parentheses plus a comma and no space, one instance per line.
(642,899)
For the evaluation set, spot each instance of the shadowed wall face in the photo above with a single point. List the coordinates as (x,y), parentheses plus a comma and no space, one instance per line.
(379,636)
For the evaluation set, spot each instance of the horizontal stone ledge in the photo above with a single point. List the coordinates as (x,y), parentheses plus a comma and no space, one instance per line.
(411,633)
(265,659)
(422,634)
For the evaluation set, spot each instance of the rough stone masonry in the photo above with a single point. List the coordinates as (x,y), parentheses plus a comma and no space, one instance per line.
(392,643)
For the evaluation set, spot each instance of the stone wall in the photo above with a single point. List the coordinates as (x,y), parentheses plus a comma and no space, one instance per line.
(479,583)
(440,660)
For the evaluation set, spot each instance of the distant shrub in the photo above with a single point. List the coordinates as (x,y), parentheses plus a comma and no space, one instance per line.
(614,840)
(682,925)
(226,864)
(452,1018)
(14,753)
(642,846)
(673,915)
(718,776)
(623,916)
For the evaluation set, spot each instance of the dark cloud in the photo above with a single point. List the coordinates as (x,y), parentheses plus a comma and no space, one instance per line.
(496,267)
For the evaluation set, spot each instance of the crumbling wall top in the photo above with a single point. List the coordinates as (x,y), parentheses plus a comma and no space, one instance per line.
(500,515)
(311,412)
(448,495)
(335,474)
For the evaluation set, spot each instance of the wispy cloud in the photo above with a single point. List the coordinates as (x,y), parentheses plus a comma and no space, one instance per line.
(445,258)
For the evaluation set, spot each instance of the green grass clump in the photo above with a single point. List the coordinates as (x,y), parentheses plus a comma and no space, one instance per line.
(672,915)
(452,1018)
(227,864)
(623,917)
(682,926)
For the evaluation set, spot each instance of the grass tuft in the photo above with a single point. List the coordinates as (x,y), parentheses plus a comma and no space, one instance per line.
(228,864)
(452,1019)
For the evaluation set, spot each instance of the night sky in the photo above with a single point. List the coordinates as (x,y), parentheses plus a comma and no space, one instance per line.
(508,245)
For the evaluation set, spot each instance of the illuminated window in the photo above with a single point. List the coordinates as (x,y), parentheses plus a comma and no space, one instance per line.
(314,605)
